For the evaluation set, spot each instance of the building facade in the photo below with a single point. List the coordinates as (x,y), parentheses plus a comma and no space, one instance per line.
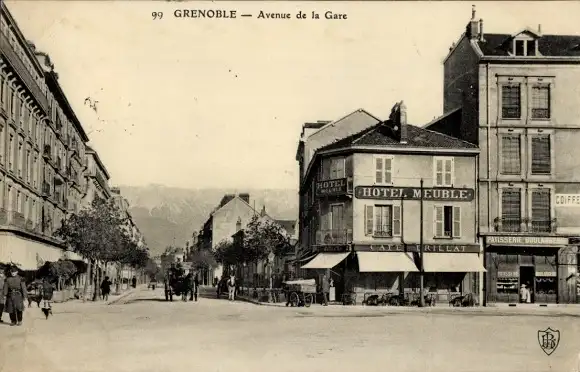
(516,96)
(376,199)
(97,178)
(40,138)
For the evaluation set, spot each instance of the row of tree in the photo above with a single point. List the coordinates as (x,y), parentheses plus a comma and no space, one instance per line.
(102,234)
(261,238)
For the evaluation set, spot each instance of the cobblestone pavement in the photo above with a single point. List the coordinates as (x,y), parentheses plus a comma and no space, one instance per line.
(142,332)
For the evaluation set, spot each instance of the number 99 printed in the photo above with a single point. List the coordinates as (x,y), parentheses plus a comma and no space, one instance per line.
(157,15)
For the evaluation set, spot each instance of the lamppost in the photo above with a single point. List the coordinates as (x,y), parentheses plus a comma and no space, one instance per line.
(421,268)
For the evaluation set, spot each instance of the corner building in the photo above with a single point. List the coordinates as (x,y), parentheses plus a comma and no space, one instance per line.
(375,197)
(516,96)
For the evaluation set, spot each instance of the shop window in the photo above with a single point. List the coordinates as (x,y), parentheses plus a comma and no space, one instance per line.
(541,157)
(511,101)
(383,170)
(510,154)
(447,221)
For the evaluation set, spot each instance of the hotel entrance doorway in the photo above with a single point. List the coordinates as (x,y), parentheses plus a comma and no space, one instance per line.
(527,278)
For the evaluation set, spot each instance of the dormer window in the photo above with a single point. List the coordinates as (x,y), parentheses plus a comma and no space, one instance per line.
(525,47)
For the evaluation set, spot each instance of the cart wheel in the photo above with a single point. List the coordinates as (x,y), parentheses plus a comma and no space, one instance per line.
(307,299)
(294,300)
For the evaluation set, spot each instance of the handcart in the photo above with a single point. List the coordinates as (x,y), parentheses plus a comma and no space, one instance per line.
(301,292)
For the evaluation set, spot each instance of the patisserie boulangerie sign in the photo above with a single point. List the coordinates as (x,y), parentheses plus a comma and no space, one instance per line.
(414,193)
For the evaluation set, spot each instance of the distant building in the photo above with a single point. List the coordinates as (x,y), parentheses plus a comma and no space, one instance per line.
(97,178)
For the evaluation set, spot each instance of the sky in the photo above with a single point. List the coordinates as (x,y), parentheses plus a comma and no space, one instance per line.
(199,103)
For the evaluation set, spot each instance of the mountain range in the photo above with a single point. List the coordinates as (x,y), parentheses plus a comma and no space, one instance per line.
(169,215)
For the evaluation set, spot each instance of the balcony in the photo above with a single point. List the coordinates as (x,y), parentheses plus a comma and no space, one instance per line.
(45,189)
(47,153)
(525,225)
(330,237)
(17,219)
(384,232)
(29,225)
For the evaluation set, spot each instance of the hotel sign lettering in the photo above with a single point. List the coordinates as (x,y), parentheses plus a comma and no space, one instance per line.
(526,240)
(414,193)
(331,187)
(427,248)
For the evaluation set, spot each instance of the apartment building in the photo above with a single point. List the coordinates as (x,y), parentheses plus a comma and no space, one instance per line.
(97,178)
(376,199)
(516,97)
(40,138)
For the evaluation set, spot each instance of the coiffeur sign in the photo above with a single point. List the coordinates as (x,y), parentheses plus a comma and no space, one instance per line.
(331,187)
(414,193)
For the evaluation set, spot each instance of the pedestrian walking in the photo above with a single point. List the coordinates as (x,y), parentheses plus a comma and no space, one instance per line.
(232,288)
(47,293)
(195,287)
(106,288)
(134,282)
(325,290)
(14,294)
(2,280)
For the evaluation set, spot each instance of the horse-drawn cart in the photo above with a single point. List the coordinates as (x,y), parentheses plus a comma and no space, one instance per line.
(301,292)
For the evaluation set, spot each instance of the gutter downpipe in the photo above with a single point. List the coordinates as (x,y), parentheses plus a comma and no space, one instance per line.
(402,274)
(483,276)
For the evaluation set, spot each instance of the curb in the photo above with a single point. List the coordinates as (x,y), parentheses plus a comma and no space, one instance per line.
(255,302)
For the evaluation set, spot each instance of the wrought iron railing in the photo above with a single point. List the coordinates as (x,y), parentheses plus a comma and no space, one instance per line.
(334,236)
(525,225)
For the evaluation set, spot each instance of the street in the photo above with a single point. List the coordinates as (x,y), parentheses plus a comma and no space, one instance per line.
(142,332)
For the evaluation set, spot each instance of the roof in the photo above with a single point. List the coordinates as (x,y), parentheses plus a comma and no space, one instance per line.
(288,225)
(417,137)
(498,45)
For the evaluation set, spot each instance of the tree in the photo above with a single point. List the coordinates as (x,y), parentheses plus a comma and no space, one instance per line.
(263,236)
(201,259)
(98,234)
(58,272)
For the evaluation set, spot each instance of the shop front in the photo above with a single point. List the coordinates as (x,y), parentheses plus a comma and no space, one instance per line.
(331,261)
(449,270)
(544,265)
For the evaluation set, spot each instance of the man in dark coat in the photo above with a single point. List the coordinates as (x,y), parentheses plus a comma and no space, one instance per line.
(14,294)
(325,290)
(2,280)
(195,286)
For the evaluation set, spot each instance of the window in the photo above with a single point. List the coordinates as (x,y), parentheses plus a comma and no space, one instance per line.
(383,169)
(337,217)
(336,168)
(511,212)
(13,103)
(541,159)
(541,221)
(11,152)
(447,221)
(510,101)
(20,157)
(510,154)
(519,48)
(3,91)
(444,171)
(541,102)
(18,202)
(530,47)
(1,144)
(383,220)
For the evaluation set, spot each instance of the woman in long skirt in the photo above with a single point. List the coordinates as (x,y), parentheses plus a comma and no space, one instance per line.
(15,293)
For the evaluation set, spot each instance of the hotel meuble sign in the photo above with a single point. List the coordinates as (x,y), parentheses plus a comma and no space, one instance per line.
(331,187)
(414,193)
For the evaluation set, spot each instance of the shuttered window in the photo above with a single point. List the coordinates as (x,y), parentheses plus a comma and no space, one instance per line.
(337,217)
(443,171)
(541,214)
(510,102)
(541,160)
(447,221)
(510,154)
(541,102)
(511,210)
(383,169)
(336,168)
(383,220)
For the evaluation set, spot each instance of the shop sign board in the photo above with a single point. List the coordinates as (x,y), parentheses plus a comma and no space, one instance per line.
(339,248)
(526,240)
(567,200)
(427,248)
(331,187)
(546,273)
(414,193)
(508,274)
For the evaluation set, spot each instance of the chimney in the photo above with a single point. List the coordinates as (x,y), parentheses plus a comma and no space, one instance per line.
(403,122)
(481,30)
(539,29)
(472,26)
(245,197)
(263,212)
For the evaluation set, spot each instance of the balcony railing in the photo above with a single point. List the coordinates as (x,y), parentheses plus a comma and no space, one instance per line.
(336,236)
(384,232)
(17,219)
(524,225)
(45,189)
(47,151)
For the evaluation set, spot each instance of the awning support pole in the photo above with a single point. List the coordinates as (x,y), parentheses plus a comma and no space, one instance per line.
(421,269)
